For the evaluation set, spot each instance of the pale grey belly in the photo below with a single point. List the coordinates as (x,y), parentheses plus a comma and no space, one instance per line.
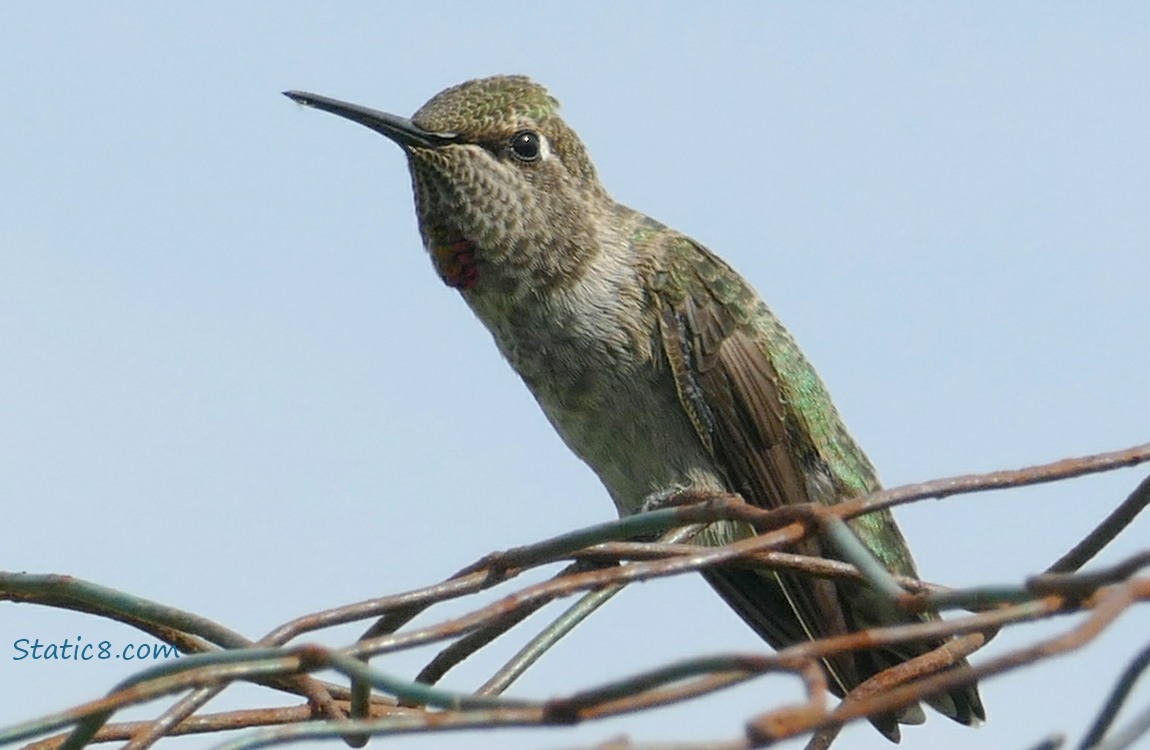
(621,416)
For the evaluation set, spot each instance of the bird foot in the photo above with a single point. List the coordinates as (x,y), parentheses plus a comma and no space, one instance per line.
(675,496)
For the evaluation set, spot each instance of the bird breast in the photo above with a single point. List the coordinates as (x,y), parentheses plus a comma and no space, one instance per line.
(590,354)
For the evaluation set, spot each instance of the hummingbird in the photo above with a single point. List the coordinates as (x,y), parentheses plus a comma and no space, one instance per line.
(655,361)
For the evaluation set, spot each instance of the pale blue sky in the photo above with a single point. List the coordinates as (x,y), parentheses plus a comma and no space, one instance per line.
(231,381)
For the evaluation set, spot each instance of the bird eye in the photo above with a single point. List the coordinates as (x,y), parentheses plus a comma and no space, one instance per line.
(525,145)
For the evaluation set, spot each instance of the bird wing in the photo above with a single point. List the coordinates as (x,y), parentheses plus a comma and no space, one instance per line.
(716,337)
(766,418)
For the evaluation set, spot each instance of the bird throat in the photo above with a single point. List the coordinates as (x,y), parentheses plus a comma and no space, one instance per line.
(455,262)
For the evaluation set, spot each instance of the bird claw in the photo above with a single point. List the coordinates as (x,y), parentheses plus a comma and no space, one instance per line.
(673,497)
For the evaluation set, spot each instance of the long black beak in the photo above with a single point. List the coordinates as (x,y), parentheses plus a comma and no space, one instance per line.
(399,129)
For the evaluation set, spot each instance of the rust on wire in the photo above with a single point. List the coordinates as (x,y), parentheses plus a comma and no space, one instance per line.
(603,559)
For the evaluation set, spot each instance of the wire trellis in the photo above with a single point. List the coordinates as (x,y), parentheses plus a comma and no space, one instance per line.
(599,563)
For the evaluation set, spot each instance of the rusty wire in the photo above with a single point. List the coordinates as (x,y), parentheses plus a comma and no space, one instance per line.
(601,561)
